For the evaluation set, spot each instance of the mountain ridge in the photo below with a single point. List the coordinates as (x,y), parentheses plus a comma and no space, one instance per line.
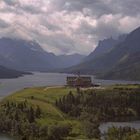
(10,73)
(122,61)
(29,56)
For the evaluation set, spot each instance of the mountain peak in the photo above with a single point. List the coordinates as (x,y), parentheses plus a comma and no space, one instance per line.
(104,46)
(114,59)
(25,55)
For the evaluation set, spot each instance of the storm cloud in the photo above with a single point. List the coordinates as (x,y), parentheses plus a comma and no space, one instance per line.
(68,26)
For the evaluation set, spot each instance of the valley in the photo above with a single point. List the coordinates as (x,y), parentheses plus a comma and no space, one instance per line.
(43,107)
(113,59)
(69,70)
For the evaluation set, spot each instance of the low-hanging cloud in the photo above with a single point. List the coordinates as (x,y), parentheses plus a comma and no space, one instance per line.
(68,26)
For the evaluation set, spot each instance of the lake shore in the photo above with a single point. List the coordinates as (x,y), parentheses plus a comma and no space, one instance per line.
(9,86)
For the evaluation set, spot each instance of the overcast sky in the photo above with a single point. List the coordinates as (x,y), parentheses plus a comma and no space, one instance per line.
(68,26)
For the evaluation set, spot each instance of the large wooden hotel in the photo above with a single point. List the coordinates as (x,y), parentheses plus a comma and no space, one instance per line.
(79,81)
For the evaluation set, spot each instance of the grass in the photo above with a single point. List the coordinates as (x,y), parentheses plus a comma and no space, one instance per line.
(127,86)
(45,98)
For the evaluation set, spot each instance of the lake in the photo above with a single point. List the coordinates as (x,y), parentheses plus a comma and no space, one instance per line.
(4,137)
(104,127)
(8,86)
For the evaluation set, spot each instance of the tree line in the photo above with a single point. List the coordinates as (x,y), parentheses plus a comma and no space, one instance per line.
(122,133)
(93,107)
(19,119)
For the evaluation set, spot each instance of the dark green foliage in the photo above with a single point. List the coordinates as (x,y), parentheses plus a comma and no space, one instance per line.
(59,132)
(43,131)
(121,133)
(69,104)
(117,104)
(19,119)
(93,107)
(38,112)
(31,115)
(91,128)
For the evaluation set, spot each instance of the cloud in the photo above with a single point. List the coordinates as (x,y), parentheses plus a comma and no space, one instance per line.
(11,2)
(3,24)
(68,26)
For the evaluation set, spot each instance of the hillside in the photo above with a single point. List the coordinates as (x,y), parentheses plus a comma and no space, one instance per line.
(9,73)
(88,65)
(23,55)
(29,56)
(104,46)
(56,113)
(127,62)
(120,62)
(45,99)
(129,69)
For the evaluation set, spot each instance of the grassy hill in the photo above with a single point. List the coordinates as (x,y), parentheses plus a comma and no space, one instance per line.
(45,98)
(47,113)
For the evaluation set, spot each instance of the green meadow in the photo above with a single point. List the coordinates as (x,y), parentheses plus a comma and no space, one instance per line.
(98,98)
(45,98)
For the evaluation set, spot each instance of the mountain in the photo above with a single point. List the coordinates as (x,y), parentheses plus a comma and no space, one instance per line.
(23,55)
(127,64)
(69,60)
(9,73)
(104,46)
(87,66)
(29,56)
(120,61)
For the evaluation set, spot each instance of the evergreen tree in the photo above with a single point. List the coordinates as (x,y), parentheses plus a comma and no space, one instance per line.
(38,112)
